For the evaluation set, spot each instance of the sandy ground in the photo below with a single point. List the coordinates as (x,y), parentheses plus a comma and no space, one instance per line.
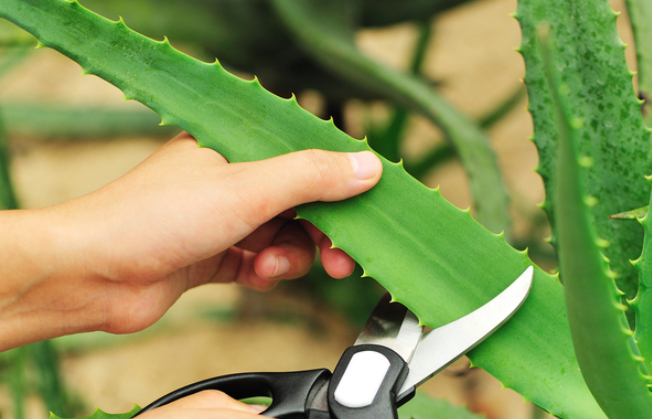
(472,54)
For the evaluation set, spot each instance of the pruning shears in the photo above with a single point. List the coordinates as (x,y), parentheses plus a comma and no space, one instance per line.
(379,373)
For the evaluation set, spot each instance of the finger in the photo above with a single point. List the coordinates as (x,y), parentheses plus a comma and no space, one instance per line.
(335,261)
(211,399)
(290,256)
(238,266)
(263,236)
(271,186)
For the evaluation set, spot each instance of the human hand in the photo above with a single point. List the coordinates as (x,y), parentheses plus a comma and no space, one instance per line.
(209,404)
(119,257)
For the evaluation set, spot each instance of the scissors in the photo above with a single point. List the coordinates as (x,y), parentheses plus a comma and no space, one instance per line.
(379,373)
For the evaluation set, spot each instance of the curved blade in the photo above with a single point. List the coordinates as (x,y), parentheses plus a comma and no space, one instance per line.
(392,325)
(440,347)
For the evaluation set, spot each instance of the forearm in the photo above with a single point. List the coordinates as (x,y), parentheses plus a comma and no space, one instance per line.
(42,295)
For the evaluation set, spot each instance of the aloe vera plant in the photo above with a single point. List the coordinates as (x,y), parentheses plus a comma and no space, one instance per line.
(443,263)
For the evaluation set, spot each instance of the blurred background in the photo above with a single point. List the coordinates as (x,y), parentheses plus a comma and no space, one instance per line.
(65,135)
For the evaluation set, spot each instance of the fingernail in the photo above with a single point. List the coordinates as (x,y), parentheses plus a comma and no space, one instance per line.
(365,164)
(282,266)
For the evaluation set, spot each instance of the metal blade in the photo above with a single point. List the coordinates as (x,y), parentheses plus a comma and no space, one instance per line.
(440,347)
(392,325)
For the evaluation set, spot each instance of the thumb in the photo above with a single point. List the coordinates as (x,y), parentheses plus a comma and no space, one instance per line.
(305,176)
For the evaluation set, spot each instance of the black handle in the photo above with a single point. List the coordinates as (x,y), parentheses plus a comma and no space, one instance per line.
(292,393)
(377,400)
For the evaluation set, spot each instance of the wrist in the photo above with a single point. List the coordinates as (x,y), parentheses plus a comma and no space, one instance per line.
(44,292)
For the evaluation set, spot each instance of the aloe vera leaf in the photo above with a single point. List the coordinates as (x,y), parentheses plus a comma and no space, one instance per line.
(50,383)
(591,63)
(640,14)
(83,124)
(330,42)
(426,407)
(504,107)
(387,141)
(432,256)
(7,194)
(389,12)
(603,341)
(99,414)
(17,384)
(439,154)
(14,56)
(642,304)
(445,152)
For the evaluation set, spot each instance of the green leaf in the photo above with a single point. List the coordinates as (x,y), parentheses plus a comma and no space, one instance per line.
(387,141)
(330,42)
(605,349)
(76,123)
(642,304)
(591,63)
(425,407)
(50,383)
(640,14)
(502,108)
(388,12)
(99,414)
(7,195)
(14,56)
(432,256)
(17,384)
